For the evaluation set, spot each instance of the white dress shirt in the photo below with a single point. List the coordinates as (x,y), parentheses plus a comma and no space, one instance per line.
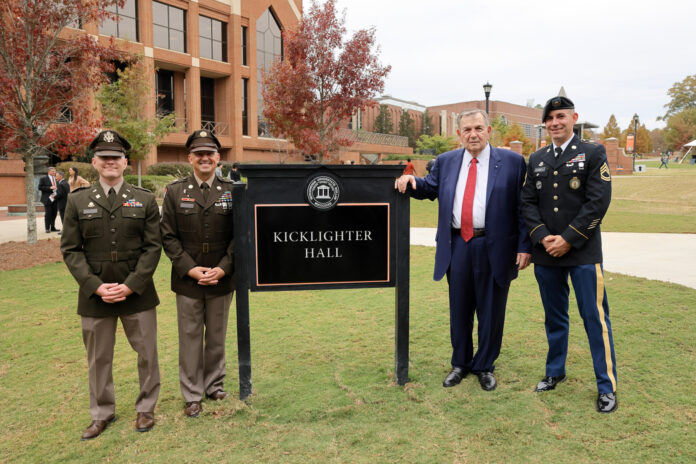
(479,211)
(564,146)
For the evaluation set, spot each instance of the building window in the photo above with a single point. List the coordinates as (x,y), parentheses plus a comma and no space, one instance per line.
(125,25)
(169,27)
(164,86)
(269,47)
(213,38)
(245,106)
(244,46)
(207,100)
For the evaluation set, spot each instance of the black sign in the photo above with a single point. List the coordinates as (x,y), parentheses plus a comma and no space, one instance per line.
(298,245)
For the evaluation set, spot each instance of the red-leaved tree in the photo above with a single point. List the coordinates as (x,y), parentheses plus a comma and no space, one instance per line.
(47,76)
(321,81)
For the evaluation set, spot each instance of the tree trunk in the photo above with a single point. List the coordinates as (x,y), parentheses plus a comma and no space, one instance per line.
(29,191)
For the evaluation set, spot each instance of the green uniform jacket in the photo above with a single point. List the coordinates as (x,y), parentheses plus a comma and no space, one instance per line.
(199,233)
(112,244)
(567,196)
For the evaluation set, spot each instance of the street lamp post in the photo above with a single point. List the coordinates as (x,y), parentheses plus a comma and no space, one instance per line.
(635,139)
(487,90)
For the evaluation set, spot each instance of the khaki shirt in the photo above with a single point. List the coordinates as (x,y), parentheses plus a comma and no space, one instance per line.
(199,233)
(112,244)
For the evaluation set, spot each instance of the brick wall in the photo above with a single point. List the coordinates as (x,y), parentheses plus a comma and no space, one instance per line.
(12,181)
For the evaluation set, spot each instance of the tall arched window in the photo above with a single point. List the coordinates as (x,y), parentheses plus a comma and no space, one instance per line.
(269,47)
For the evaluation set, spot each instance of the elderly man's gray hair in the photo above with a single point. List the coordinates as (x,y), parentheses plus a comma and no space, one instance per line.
(469,113)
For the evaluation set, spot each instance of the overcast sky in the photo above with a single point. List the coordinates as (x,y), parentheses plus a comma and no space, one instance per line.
(611,56)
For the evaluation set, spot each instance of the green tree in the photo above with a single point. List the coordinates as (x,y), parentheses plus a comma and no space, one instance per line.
(681,129)
(644,144)
(407,128)
(612,129)
(500,128)
(682,95)
(122,110)
(426,124)
(436,142)
(383,122)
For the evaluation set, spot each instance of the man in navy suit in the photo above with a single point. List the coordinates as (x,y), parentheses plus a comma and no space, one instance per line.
(481,240)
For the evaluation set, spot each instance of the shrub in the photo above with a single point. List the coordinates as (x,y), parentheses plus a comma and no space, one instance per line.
(178,170)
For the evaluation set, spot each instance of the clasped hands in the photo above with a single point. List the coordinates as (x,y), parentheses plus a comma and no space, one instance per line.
(206,275)
(555,245)
(113,293)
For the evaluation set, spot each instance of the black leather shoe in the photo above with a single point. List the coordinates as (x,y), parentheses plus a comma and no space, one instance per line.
(606,403)
(454,377)
(549,383)
(487,380)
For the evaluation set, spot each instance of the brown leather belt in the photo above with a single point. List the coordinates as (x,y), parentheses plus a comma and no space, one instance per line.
(477,232)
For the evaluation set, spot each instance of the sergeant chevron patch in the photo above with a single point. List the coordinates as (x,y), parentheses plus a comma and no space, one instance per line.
(604,173)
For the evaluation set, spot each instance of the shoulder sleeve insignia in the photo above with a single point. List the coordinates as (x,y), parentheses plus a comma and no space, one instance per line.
(604,172)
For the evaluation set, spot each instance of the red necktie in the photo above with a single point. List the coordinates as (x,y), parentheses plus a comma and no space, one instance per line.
(468,203)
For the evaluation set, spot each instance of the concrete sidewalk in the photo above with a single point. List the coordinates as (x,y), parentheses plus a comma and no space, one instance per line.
(666,257)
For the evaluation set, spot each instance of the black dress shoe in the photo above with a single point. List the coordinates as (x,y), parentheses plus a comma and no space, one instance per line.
(48,231)
(549,383)
(55,230)
(454,377)
(487,380)
(606,403)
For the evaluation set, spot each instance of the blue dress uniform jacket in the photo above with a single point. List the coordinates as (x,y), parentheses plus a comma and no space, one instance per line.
(567,196)
(112,244)
(196,232)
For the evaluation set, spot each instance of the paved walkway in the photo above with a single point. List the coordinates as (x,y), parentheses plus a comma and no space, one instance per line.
(666,257)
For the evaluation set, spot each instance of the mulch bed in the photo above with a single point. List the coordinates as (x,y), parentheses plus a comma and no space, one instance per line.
(19,255)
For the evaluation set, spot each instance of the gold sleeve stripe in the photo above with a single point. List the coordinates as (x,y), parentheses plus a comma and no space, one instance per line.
(530,233)
(604,172)
(605,331)
(576,230)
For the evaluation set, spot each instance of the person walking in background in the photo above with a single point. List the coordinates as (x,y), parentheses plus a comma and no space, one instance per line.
(234,175)
(482,241)
(565,197)
(48,187)
(61,198)
(111,245)
(218,169)
(197,234)
(664,159)
(75,180)
(410,169)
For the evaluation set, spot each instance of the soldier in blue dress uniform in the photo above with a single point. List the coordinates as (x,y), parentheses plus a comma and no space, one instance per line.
(566,194)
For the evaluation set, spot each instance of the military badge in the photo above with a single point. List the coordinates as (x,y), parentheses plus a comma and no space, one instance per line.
(538,185)
(604,173)
(108,137)
(574,183)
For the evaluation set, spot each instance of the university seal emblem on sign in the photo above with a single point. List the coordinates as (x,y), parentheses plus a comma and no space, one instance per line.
(322,192)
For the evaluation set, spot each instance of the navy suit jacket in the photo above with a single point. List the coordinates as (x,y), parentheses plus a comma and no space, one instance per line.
(506,232)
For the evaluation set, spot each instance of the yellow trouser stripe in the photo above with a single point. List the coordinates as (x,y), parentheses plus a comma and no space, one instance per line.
(605,332)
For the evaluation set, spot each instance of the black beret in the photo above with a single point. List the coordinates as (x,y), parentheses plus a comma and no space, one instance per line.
(109,143)
(202,140)
(557,103)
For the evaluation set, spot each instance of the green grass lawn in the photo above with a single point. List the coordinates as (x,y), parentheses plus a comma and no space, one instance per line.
(658,200)
(324,389)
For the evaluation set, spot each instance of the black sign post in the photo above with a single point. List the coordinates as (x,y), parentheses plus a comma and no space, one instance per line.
(302,227)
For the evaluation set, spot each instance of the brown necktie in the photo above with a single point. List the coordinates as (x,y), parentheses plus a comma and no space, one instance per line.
(112,196)
(205,189)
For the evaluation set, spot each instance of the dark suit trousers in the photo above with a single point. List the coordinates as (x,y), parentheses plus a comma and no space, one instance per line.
(472,289)
(51,210)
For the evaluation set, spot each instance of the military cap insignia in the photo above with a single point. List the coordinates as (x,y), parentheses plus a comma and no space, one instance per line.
(203,133)
(108,137)
(574,183)
(604,173)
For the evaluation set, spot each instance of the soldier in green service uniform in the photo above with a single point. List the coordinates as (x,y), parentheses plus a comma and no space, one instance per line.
(111,245)
(197,234)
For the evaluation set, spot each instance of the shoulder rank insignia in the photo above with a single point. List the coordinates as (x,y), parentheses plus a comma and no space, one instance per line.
(604,172)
